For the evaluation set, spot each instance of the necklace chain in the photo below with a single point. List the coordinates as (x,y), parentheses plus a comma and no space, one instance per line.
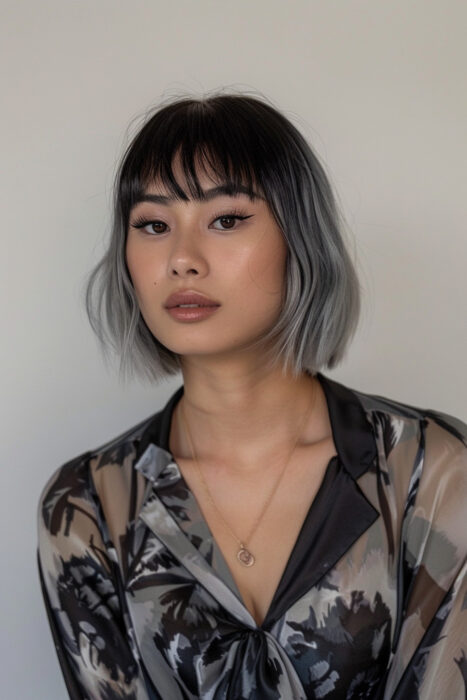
(244,555)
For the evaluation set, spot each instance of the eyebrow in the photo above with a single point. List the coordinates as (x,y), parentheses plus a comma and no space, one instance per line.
(228,188)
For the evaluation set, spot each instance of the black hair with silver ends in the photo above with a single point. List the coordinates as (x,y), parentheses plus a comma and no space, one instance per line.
(246,140)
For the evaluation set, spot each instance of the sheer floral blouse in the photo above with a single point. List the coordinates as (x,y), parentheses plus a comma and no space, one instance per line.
(372,602)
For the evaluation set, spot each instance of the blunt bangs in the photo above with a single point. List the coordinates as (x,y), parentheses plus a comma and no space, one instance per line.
(238,140)
(217,138)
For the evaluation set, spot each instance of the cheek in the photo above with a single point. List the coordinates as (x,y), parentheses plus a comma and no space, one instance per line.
(267,263)
(130,257)
(140,268)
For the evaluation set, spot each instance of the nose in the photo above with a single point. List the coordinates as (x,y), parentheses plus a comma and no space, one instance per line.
(186,257)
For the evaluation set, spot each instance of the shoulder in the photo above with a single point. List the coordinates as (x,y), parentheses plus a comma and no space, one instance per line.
(79,484)
(422,462)
(421,480)
(438,434)
(395,426)
(421,455)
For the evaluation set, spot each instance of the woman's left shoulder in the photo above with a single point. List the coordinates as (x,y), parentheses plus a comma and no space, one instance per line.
(422,453)
(445,444)
(433,429)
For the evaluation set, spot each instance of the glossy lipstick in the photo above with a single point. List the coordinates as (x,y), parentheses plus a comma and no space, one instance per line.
(192,314)
(190,305)
(189,296)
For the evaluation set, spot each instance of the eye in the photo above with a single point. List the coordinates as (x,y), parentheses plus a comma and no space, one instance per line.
(147,223)
(153,227)
(228,220)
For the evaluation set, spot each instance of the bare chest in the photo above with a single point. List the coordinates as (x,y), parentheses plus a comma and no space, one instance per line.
(235,517)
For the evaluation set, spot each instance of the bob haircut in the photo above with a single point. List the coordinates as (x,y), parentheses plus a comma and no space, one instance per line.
(244,140)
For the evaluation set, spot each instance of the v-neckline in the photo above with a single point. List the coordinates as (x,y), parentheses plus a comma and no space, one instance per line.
(310,522)
(326,533)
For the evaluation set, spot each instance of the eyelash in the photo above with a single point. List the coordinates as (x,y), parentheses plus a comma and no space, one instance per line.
(142,222)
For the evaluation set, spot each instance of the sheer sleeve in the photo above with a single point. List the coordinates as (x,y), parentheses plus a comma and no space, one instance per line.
(81,588)
(429,650)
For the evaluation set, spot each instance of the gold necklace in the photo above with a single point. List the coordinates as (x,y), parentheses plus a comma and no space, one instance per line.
(244,556)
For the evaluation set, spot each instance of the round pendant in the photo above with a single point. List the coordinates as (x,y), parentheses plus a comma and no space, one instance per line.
(245,557)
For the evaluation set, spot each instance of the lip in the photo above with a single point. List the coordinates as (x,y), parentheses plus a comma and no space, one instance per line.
(189,296)
(191,315)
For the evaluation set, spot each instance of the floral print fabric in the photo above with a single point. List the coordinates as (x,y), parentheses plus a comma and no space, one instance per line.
(372,602)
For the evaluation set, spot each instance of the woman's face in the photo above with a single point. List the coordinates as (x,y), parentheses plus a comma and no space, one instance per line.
(201,246)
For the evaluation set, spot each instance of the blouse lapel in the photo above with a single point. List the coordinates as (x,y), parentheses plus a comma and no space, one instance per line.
(340,512)
(170,510)
(338,516)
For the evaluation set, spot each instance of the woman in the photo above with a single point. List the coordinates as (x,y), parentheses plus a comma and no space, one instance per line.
(270,533)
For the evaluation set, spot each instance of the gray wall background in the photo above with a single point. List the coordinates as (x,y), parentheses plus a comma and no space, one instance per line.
(380,90)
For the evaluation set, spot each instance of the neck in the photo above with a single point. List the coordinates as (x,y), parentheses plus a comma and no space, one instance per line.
(240,417)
